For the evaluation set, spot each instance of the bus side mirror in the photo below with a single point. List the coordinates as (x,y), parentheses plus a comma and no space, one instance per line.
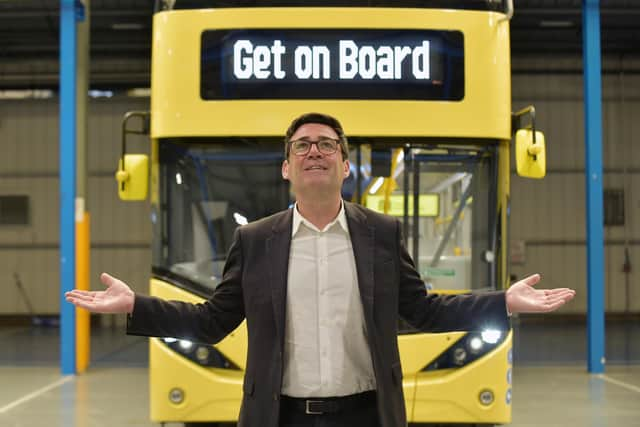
(133,177)
(531,156)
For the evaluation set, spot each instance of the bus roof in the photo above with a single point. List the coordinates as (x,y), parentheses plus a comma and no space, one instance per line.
(486,5)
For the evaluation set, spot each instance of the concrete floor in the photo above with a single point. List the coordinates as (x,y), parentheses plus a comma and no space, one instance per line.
(551,386)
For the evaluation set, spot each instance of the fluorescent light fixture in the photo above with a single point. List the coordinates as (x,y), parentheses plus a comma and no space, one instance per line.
(376,185)
(139,92)
(126,26)
(169,340)
(26,94)
(100,93)
(178,178)
(553,23)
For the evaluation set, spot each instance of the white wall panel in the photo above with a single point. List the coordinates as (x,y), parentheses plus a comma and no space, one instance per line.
(552,208)
(120,232)
(557,266)
(105,124)
(133,265)
(38,272)
(44,211)
(550,214)
(114,221)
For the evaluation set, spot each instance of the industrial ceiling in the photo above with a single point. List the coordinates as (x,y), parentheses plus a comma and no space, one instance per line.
(121,35)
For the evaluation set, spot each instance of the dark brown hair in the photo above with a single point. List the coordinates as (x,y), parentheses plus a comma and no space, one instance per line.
(323,119)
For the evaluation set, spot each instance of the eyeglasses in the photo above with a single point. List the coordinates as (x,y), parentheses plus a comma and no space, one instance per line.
(300,147)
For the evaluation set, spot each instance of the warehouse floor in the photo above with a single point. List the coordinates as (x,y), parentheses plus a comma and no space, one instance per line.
(551,385)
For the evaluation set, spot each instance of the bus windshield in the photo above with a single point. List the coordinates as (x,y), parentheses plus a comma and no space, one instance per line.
(207,191)
(210,189)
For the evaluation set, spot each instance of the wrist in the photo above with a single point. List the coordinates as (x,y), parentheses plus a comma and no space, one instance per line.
(131,302)
(507,299)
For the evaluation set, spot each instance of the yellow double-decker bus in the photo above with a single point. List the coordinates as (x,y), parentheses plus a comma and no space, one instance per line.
(423,93)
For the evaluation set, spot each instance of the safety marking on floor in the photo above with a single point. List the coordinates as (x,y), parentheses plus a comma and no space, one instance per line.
(620,383)
(35,394)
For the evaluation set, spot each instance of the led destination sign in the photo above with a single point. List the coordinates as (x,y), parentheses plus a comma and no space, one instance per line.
(332,64)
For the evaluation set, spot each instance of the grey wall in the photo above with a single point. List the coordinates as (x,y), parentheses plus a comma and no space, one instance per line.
(120,232)
(549,215)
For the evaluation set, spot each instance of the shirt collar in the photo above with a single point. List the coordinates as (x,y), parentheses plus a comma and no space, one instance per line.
(299,219)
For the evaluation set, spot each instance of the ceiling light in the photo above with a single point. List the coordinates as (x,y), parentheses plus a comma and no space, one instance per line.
(556,24)
(126,26)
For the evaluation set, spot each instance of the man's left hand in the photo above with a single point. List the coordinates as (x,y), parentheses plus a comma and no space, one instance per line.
(523,298)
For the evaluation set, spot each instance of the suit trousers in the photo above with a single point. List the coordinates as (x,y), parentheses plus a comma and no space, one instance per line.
(364,416)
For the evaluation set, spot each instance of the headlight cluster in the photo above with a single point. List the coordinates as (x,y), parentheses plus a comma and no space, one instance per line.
(470,347)
(202,354)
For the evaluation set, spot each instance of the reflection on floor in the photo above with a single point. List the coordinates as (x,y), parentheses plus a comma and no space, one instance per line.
(551,386)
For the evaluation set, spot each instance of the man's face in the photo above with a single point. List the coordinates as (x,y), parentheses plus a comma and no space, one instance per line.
(315,171)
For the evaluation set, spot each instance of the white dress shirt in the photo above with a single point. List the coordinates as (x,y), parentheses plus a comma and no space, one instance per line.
(326,351)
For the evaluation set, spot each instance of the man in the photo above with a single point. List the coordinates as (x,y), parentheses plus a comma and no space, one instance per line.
(321,286)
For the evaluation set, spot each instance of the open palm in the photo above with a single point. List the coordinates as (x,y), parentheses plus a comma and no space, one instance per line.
(117,298)
(522,297)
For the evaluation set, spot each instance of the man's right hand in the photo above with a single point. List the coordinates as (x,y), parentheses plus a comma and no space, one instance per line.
(118,298)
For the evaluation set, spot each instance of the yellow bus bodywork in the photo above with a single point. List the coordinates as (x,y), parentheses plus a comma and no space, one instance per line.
(212,394)
(179,111)
(433,396)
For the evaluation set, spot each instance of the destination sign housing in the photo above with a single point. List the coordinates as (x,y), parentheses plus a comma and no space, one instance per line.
(332,64)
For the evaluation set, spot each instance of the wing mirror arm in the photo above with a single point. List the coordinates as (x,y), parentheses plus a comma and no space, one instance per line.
(516,123)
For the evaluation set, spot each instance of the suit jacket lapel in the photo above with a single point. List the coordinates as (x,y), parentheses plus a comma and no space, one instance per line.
(362,241)
(277,249)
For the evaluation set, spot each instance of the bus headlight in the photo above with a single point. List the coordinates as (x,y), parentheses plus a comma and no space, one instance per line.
(185,345)
(491,336)
(202,354)
(475,344)
(467,349)
(459,356)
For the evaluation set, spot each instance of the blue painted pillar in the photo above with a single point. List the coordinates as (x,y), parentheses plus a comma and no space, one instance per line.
(68,47)
(593,171)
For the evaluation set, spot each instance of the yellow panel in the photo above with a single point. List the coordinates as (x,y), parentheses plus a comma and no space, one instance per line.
(178,110)
(531,159)
(210,393)
(234,346)
(452,395)
(133,179)
(428,204)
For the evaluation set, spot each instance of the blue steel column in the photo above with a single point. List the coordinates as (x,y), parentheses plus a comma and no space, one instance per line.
(67,183)
(593,162)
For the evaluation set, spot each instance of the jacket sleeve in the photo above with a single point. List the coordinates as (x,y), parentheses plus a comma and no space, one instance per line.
(207,322)
(441,313)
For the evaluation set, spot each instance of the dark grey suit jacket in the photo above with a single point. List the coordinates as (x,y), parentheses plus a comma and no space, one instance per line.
(254,287)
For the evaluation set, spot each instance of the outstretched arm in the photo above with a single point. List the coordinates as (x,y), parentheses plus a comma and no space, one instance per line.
(523,298)
(117,298)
